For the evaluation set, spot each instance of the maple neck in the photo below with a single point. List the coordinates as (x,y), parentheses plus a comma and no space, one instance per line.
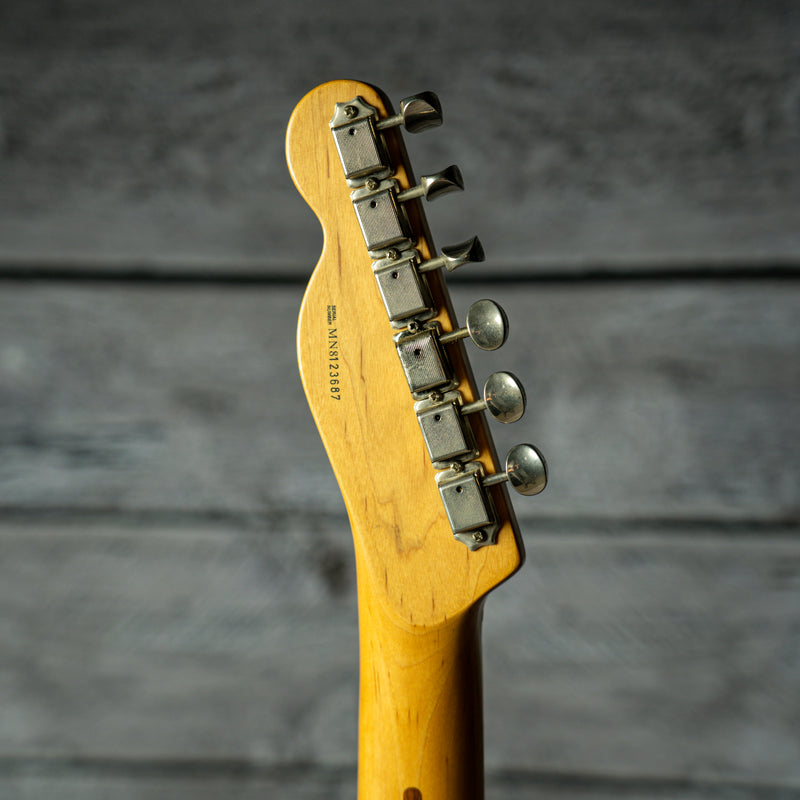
(420,707)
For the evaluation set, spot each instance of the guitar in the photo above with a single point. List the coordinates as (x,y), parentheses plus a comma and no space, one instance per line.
(386,375)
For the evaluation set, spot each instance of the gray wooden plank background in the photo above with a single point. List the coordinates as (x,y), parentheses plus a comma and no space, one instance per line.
(177,607)
(592,134)
(615,654)
(656,400)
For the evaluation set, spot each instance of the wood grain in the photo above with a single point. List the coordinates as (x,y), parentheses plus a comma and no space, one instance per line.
(420,573)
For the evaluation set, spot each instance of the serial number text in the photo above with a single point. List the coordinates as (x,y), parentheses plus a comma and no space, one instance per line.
(333,357)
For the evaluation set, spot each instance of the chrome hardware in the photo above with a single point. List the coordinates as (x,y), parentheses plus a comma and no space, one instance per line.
(425,364)
(350,112)
(469,509)
(503,398)
(526,470)
(400,274)
(487,326)
(355,126)
(432,186)
(361,149)
(405,293)
(447,435)
(379,209)
(417,113)
(383,221)
(455,256)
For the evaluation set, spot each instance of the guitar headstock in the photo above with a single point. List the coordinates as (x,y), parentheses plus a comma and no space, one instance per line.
(385,369)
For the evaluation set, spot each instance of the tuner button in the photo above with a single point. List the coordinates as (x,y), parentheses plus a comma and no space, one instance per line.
(448,180)
(417,113)
(421,111)
(526,470)
(467,252)
(487,326)
(503,398)
(432,186)
(456,255)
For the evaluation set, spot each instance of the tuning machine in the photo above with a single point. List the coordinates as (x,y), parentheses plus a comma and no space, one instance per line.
(442,420)
(400,275)
(380,211)
(425,361)
(470,509)
(357,131)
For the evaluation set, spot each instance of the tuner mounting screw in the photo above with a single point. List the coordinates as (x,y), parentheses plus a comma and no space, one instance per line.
(413,326)
(457,466)
(350,111)
(393,254)
(372,184)
(479,536)
(435,397)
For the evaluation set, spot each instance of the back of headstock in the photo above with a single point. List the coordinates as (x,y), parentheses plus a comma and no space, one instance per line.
(384,366)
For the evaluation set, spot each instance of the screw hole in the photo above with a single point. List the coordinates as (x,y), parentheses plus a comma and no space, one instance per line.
(437,417)
(395,275)
(459,489)
(373,204)
(352,131)
(417,352)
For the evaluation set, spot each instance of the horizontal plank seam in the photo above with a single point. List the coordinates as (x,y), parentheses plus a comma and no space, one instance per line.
(645,785)
(611,526)
(509,274)
(177,769)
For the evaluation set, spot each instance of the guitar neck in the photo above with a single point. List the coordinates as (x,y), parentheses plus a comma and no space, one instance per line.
(420,706)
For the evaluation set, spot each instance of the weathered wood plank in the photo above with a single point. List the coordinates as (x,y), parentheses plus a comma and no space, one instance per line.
(649,400)
(656,653)
(590,132)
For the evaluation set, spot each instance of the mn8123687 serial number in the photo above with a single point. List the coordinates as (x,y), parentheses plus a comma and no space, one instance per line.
(333,357)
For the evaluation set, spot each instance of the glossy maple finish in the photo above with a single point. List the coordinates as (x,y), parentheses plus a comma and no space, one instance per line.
(419,590)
